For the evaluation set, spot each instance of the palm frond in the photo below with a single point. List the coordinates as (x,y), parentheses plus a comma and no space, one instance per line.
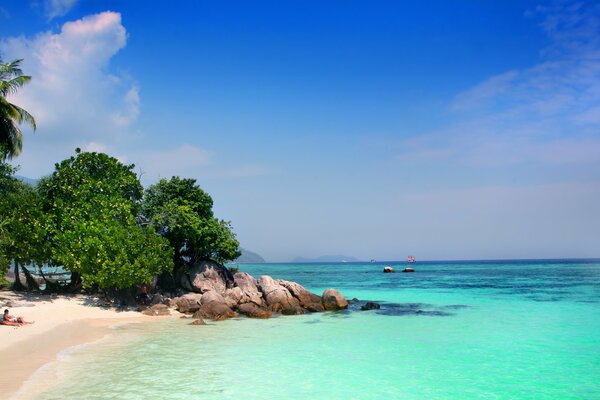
(11,86)
(10,69)
(11,137)
(24,116)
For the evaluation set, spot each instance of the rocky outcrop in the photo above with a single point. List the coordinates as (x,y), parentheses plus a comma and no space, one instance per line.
(276,296)
(253,311)
(333,300)
(188,302)
(248,285)
(217,294)
(307,300)
(215,311)
(388,270)
(370,306)
(205,276)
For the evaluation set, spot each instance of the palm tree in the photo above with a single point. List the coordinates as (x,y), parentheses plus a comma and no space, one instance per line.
(11,116)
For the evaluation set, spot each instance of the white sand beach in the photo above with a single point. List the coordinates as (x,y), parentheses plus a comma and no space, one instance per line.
(60,322)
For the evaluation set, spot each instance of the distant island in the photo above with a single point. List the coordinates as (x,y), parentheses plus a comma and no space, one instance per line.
(336,258)
(249,257)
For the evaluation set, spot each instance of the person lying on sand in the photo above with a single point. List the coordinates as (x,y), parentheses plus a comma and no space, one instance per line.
(9,320)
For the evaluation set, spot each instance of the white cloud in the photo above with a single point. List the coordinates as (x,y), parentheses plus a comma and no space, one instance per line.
(74,97)
(548,113)
(58,8)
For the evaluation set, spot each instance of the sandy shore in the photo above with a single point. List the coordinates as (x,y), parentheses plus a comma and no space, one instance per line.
(60,322)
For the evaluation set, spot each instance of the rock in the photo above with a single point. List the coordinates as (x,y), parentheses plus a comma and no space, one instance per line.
(253,311)
(293,311)
(206,276)
(188,302)
(370,306)
(276,296)
(233,296)
(212,296)
(354,300)
(215,311)
(388,269)
(249,289)
(157,298)
(408,269)
(307,300)
(199,321)
(333,300)
(157,310)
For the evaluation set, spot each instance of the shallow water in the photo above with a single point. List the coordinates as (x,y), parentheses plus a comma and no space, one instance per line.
(493,330)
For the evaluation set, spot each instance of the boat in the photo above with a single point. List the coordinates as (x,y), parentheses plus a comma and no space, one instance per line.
(411,259)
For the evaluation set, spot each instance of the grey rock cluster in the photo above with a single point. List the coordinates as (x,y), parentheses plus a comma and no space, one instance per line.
(217,294)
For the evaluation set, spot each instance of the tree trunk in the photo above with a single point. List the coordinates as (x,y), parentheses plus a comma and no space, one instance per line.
(31,282)
(76,282)
(17,285)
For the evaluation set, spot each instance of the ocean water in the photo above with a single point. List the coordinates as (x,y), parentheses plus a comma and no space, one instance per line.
(451,330)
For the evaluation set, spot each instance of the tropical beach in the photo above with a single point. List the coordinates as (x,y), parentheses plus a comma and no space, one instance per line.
(299,200)
(60,322)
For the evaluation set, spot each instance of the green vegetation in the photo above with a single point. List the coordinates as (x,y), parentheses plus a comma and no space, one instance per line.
(11,116)
(91,203)
(92,217)
(182,212)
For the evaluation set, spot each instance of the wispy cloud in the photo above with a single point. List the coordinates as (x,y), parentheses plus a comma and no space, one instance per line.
(58,8)
(548,113)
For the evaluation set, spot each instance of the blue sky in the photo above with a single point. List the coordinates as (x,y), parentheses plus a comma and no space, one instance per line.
(447,130)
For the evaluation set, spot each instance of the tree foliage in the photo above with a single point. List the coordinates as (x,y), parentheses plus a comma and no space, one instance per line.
(91,202)
(22,231)
(11,115)
(182,212)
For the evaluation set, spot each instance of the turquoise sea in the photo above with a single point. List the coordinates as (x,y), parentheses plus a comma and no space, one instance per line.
(451,330)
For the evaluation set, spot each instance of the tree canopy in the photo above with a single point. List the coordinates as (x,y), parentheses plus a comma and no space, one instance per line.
(91,202)
(93,218)
(182,212)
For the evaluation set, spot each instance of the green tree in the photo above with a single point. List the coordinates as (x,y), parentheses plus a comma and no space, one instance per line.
(22,231)
(11,115)
(91,201)
(182,212)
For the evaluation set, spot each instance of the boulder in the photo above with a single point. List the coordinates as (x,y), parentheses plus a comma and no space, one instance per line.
(293,311)
(199,321)
(276,296)
(253,311)
(157,310)
(157,299)
(205,276)
(249,288)
(408,269)
(233,296)
(212,296)
(307,300)
(370,306)
(388,269)
(333,300)
(188,302)
(215,311)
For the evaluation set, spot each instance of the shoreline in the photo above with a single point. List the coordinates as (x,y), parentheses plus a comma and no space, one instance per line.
(61,323)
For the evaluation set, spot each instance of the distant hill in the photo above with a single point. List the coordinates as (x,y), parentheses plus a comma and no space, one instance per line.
(325,259)
(29,181)
(249,257)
